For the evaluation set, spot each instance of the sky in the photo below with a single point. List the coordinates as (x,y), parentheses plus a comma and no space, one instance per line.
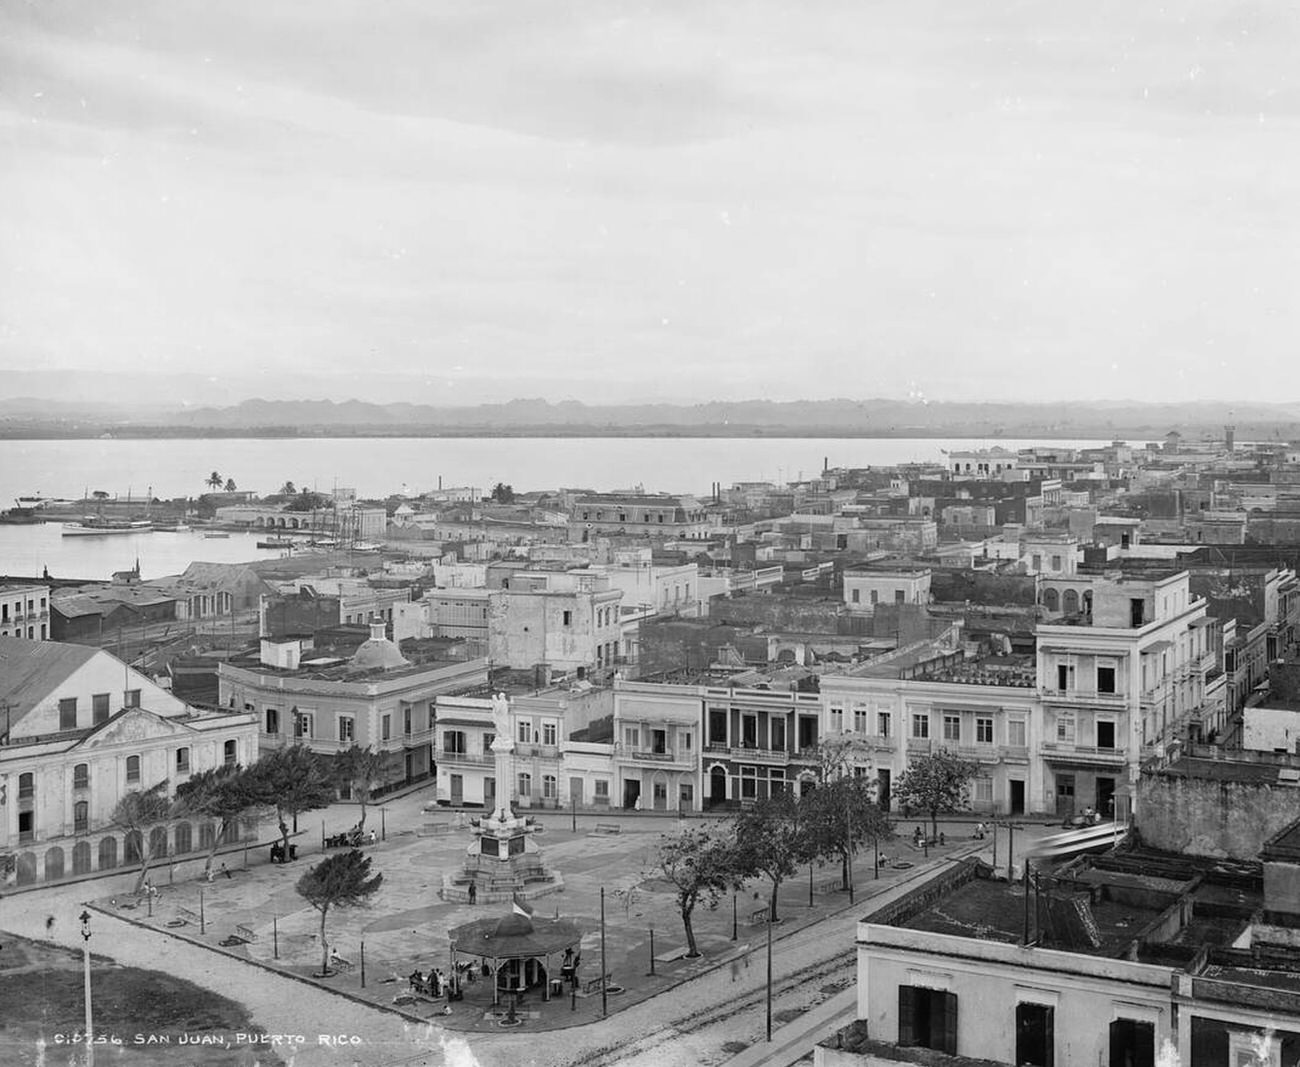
(608,200)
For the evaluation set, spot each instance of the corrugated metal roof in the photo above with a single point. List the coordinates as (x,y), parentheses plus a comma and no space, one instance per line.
(30,670)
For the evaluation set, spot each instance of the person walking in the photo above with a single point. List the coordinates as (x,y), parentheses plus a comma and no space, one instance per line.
(473,892)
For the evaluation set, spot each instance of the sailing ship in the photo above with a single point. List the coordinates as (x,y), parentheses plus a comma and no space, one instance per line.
(98,526)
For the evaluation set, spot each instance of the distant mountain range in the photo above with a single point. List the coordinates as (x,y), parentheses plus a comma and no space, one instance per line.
(28,417)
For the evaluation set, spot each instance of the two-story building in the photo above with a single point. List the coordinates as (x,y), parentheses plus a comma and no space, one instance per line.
(376,699)
(81,730)
(983,706)
(868,585)
(657,732)
(658,515)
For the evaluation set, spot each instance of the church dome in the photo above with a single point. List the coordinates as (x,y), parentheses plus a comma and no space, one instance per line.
(378,653)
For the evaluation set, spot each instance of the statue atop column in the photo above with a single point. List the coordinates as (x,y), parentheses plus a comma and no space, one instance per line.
(502,742)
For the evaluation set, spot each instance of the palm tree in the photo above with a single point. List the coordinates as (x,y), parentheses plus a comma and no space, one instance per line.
(215,480)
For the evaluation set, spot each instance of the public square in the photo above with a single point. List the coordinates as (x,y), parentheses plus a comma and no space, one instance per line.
(373,1016)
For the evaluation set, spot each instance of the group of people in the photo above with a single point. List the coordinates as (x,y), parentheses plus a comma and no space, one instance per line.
(437,984)
(919,839)
(352,838)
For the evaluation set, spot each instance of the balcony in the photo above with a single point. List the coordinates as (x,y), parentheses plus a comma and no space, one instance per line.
(923,745)
(465,759)
(980,753)
(1092,698)
(537,751)
(881,742)
(753,754)
(1065,751)
(1014,753)
(650,755)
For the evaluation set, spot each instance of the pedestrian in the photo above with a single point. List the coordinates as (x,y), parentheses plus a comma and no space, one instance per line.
(49,926)
(473,892)
(226,871)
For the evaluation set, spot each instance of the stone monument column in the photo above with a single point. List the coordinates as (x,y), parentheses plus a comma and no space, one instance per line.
(503,747)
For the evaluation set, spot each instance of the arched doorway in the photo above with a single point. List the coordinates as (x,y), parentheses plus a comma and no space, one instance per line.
(108,853)
(26,868)
(1070,601)
(54,864)
(717,786)
(81,857)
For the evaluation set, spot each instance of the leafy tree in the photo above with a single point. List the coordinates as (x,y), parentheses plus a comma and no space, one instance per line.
(364,769)
(833,757)
(306,500)
(771,840)
(230,485)
(222,794)
(99,494)
(215,480)
(938,783)
(138,813)
(340,880)
(502,493)
(290,780)
(842,815)
(287,489)
(699,864)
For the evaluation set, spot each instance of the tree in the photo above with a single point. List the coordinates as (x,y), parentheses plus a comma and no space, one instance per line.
(222,794)
(306,500)
(842,815)
(938,783)
(699,864)
(502,493)
(99,494)
(138,813)
(340,880)
(290,780)
(287,489)
(363,769)
(230,485)
(833,757)
(215,480)
(771,840)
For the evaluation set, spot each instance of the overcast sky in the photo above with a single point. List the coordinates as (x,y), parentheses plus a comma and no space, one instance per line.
(610,200)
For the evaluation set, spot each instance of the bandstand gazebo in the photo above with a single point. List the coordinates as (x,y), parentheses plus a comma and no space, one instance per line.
(524,951)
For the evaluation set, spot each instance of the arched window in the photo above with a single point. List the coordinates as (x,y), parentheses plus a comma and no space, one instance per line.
(81,857)
(184,838)
(81,776)
(132,768)
(134,845)
(108,853)
(26,786)
(1070,601)
(80,817)
(1051,599)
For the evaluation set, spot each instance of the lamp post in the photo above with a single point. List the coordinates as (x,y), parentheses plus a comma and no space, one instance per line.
(85,958)
(652,951)
(769,978)
(203,922)
(733,916)
(604,992)
(810,884)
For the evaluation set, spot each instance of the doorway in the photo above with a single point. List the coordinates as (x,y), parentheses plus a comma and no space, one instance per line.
(1065,795)
(457,785)
(659,791)
(575,792)
(686,797)
(882,790)
(1106,797)
(1017,796)
(717,787)
(631,793)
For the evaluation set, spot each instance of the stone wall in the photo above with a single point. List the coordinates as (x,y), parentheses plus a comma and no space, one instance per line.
(1209,817)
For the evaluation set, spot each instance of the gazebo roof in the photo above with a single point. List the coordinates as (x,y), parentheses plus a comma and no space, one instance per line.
(514,936)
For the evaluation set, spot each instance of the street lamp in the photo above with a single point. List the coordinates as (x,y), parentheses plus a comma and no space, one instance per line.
(85,959)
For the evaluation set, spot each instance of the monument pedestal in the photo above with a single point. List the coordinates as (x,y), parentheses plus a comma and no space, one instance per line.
(503,861)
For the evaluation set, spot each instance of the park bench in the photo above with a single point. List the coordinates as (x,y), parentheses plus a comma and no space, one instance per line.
(187,916)
(607,828)
(759,916)
(246,932)
(830,885)
(594,985)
